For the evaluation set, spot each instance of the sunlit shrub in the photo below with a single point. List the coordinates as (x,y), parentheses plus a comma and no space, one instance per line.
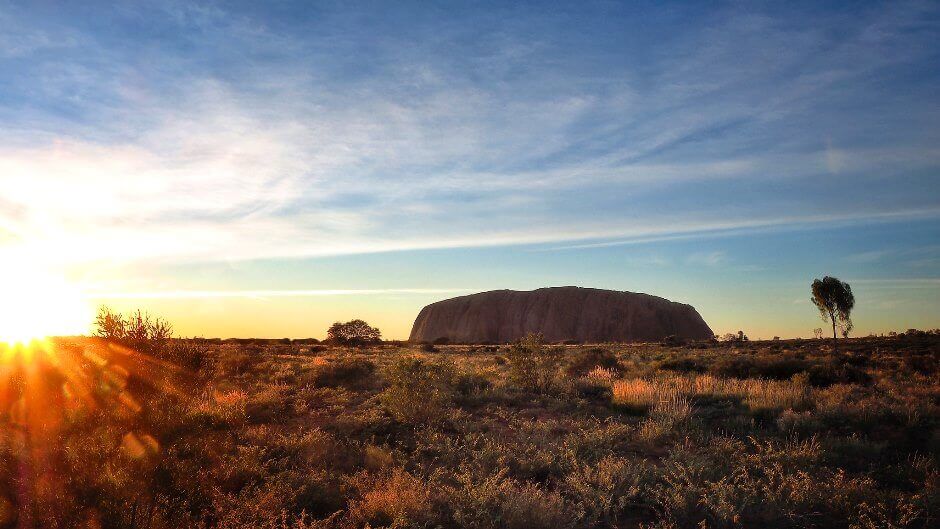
(497,501)
(801,423)
(397,499)
(237,363)
(672,396)
(345,372)
(418,391)
(604,490)
(192,355)
(637,395)
(470,383)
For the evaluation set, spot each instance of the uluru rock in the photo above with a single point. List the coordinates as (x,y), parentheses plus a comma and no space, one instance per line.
(588,315)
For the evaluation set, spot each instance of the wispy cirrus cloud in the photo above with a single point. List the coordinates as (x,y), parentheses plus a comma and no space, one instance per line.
(898,282)
(249,135)
(713,258)
(261,294)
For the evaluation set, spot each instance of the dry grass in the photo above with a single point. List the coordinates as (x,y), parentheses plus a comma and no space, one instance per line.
(274,435)
(674,395)
(396,499)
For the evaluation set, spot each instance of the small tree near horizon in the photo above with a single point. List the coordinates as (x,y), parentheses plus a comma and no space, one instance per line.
(835,302)
(353,332)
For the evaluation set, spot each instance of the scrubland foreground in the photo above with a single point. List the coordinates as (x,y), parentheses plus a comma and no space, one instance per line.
(295,435)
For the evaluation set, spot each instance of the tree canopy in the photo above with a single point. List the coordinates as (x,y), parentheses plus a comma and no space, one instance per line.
(354,332)
(835,302)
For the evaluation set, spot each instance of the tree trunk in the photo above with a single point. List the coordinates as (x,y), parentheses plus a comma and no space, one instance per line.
(835,339)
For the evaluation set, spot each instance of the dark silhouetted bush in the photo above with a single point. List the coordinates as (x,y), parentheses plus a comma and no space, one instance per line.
(683,365)
(346,372)
(353,333)
(584,362)
(775,368)
(137,330)
(835,372)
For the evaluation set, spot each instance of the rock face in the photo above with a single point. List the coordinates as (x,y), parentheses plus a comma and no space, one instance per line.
(588,315)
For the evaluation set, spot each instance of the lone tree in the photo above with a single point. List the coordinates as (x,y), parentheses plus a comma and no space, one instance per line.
(835,301)
(355,332)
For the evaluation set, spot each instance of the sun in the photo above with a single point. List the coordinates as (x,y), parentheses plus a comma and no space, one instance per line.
(36,303)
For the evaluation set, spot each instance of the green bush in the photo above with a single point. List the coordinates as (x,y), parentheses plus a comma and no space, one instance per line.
(418,391)
(468,383)
(533,365)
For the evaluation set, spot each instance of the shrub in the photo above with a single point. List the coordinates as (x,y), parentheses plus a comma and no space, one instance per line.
(596,384)
(802,423)
(397,500)
(776,368)
(468,383)
(138,330)
(346,372)
(605,489)
(237,363)
(830,373)
(533,365)
(672,339)
(498,501)
(418,391)
(584,362)
(192,355)
(731,337)
(683,365)
(316,348)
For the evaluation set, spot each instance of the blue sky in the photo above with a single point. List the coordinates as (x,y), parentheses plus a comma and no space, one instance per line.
(235,165)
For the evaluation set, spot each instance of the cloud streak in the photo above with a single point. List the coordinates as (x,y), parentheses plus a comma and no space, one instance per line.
(335,136)
(261,294)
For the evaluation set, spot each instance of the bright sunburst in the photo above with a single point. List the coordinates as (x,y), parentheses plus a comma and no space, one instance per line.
(35,304)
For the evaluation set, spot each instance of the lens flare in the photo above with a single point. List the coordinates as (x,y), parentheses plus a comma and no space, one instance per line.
(73,388)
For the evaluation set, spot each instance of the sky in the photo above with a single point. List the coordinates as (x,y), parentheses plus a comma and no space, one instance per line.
(266,168)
